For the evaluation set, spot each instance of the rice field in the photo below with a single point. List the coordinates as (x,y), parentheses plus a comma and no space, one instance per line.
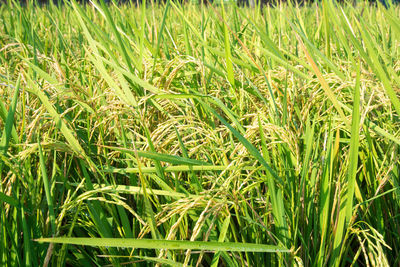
(174,134)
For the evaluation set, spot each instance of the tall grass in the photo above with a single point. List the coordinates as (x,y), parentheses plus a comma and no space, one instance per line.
(207,135)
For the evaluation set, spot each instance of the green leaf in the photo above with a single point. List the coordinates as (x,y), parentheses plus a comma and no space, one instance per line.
(9,125)
(10,200)
(346,205)
(164,244)
(46,184)
(160,157)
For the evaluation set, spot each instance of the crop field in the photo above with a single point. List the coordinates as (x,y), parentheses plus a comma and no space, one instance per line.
(175,134)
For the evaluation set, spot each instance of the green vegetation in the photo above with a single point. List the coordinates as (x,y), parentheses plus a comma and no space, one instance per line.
(199,135)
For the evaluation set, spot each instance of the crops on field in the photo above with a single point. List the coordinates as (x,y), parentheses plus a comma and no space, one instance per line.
(199,135)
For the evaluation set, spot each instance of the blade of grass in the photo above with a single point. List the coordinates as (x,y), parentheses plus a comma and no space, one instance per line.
(9,124)
(184,168)
(160,157)
(46,184)
(346,205)
(9,200)
(221,238)
(162,244)
(228,56)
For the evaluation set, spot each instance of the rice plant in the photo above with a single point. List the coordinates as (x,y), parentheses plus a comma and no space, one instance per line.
(185,134)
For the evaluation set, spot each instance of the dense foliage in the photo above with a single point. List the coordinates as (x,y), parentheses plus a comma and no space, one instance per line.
(277,125)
